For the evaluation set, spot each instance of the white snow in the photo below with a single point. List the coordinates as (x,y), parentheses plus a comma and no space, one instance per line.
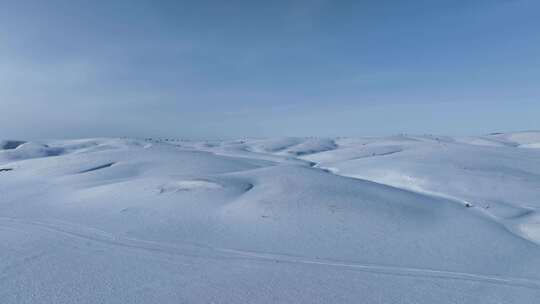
(518,138)
(401,219)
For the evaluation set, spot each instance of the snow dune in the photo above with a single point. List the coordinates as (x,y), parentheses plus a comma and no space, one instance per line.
(519,139)
(402,219)
(10,144)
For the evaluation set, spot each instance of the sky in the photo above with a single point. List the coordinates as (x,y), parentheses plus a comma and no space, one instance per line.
(248,68)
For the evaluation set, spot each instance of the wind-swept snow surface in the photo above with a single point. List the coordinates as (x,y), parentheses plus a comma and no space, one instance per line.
(403,219)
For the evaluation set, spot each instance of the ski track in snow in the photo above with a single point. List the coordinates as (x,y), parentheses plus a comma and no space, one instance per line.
(105,238)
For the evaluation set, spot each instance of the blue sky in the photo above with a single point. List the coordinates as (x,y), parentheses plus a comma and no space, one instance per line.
(222,69)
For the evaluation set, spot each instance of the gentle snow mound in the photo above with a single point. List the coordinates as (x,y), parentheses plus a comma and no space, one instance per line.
(10,144)
(190,185)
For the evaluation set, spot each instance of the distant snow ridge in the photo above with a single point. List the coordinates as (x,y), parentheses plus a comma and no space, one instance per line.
(274,145)
(12,150)
(292,145)
(10,144)
(311,146)
(526,139)
(27,150)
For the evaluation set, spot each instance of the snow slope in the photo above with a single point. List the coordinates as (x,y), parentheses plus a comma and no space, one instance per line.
(501,181)
(303,220)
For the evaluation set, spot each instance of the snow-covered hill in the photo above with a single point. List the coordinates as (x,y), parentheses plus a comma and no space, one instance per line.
(402,219)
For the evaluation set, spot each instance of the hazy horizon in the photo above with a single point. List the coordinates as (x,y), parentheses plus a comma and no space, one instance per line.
(209,69)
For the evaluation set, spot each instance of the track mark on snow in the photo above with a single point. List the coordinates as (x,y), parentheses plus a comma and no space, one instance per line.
(107,165)
(397,271)
(208,252)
